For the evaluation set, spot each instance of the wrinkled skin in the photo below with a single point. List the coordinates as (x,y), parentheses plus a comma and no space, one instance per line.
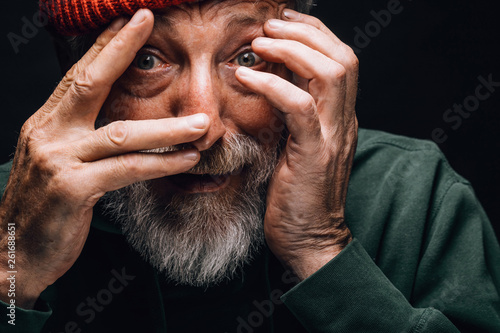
(197,93)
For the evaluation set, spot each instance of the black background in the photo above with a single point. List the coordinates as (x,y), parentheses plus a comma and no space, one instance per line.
(412,70)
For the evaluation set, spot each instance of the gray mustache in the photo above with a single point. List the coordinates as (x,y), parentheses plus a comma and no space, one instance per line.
(227,156)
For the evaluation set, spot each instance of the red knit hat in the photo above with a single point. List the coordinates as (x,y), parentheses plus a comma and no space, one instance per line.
(74,17)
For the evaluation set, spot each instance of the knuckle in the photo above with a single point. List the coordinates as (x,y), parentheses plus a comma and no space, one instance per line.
(130,164)
(118,42)
(33,134)
(70,75)
(352,60)
(117,132)
(83,83)
(97,47)
(307,105)
(315,22)
(65,83)
(336,72)
(26,129)
(44,159)
(100,42)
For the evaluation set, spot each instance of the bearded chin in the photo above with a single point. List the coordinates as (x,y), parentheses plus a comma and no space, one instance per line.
(205,238)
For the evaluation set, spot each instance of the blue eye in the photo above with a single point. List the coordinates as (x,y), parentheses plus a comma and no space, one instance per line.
(248,59)
(146,61)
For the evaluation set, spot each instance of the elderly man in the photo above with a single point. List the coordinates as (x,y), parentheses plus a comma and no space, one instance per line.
(195,171)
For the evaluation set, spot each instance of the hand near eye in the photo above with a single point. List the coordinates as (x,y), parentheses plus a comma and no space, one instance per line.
(63,165)
(305,223)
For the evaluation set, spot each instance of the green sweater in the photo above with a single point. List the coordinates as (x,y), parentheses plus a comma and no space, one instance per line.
(424,259)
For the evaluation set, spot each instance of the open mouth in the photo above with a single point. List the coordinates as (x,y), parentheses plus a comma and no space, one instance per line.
(200,183)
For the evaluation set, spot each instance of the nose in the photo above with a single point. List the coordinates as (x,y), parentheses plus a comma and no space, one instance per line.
(199,93)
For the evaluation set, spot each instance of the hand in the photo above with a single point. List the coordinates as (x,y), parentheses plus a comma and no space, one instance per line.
(62,165)
(304,223)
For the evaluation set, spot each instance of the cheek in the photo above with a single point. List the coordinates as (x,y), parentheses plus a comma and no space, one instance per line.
(137,96)
(240,110)
(121,105)
(254,116)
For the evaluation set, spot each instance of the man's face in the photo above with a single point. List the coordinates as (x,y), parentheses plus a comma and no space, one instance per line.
(188,66)
(202,226)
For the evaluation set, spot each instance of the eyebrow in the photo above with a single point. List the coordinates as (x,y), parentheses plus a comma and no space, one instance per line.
(242,21)
(162,20)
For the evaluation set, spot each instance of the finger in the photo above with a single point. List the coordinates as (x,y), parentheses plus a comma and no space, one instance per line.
(91,87)
(316,35)
(327,78)
(313,37)
(116,172)
(300,59)
(298,107)
(294,16)
(304,33)
(104,38)
(121,137)
(338,51)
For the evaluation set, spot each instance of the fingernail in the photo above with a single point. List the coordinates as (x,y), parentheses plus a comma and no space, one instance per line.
(290,14)
(244,71)
(117,24)
(275,24)
(198,121)
(191,155)
(138,17)
(261,41)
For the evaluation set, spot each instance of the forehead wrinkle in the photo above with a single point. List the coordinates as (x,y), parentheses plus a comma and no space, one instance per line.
(236,21)
(163,16)
(164,20)
(240,21)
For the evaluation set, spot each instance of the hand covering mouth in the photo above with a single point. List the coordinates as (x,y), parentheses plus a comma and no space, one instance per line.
(222,162)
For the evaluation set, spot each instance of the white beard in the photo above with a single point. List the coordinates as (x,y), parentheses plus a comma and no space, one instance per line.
(201,239)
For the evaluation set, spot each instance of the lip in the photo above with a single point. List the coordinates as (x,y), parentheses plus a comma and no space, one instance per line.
(191,183)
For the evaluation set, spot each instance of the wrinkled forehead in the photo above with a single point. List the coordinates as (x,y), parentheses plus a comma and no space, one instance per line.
(229,13)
